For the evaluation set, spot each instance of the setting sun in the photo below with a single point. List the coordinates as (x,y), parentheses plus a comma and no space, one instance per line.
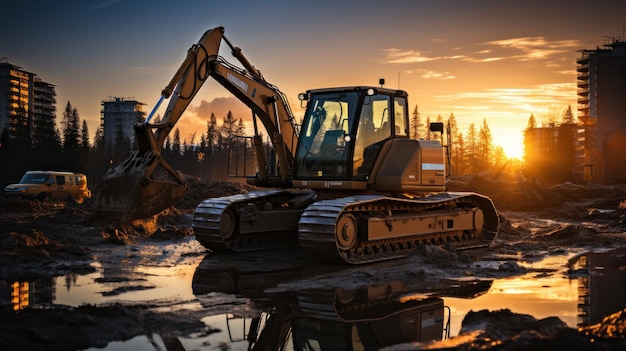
(512,144)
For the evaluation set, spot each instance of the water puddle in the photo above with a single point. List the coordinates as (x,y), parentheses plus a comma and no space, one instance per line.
(246,308)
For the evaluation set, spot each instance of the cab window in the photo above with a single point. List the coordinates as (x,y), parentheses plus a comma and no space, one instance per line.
(374,126)
(400,108)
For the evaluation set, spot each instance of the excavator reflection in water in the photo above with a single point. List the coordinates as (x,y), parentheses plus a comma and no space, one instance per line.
(365,318)
(348,185)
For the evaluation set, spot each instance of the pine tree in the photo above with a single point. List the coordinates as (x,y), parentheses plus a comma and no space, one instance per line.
(485,145)
(176,150)
(459,146)
(568,116)
(84,136)
(229,126)
(532,122)
(240,127)
(472,148)
(98,139)
(70,128)
(211,134)
(428,135)
(416,124)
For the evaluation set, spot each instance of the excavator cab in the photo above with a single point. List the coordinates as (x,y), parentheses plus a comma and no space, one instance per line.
(356,138)
(344,129)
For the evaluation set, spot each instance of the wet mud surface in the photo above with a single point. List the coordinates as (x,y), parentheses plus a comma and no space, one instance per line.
(53,239)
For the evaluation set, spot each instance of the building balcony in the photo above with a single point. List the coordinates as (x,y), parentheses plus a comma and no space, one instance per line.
(583,60)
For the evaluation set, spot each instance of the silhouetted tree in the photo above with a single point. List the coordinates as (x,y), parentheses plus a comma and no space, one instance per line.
(416,124)
(84,136)
(485,145)
(176,149)
(212,134)
(229,126)
(568,116)
(460,165)
(499,157)
(98,140)
(532,122)
(71,124)
(472,148)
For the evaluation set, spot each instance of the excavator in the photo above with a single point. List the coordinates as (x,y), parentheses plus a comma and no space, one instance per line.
(346,185)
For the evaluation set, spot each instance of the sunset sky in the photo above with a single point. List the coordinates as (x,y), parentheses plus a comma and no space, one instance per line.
(493,60)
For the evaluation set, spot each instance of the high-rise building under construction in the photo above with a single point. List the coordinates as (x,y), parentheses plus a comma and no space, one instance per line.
(602,109)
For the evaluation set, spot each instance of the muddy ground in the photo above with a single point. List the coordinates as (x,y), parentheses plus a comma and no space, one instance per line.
(57,238)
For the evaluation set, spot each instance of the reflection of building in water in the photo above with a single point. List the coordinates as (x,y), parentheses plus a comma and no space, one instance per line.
(601,291)
(22,294)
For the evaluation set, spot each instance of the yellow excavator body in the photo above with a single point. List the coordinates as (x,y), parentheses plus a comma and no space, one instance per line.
(348,184)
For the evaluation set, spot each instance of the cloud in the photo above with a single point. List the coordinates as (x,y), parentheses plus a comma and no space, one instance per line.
(220,107)
(518,49)
(534,48)
(406,56)
(524,100)
(428,74)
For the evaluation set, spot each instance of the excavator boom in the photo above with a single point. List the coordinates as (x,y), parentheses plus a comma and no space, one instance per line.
(145,184)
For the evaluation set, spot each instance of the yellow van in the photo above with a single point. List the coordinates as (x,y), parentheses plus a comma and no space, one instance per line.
(43,185)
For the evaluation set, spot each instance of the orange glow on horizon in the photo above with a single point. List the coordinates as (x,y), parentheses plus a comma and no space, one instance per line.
(512,144)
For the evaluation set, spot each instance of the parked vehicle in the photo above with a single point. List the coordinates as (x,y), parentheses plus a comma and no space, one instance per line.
(45,185)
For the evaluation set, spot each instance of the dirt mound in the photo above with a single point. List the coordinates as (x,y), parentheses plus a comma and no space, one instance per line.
(505,330)
(36,255)
(202,190)
(507,193)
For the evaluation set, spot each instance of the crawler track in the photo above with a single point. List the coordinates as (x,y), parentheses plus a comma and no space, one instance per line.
(337,230)
(247,222)
(354,229)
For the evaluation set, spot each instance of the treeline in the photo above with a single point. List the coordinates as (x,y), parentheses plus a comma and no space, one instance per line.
(41,145)
(470,152)
(209,154)
(212,155)
(69,149)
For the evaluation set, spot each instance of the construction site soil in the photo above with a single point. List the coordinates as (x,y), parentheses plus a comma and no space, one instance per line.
(50,239)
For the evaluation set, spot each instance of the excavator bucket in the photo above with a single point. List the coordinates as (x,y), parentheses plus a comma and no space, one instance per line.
(141,186)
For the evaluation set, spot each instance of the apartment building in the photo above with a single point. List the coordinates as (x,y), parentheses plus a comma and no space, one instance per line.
(118,117)
(27,104)
(602,110)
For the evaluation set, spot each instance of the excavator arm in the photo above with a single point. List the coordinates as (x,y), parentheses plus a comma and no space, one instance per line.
(145,184)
